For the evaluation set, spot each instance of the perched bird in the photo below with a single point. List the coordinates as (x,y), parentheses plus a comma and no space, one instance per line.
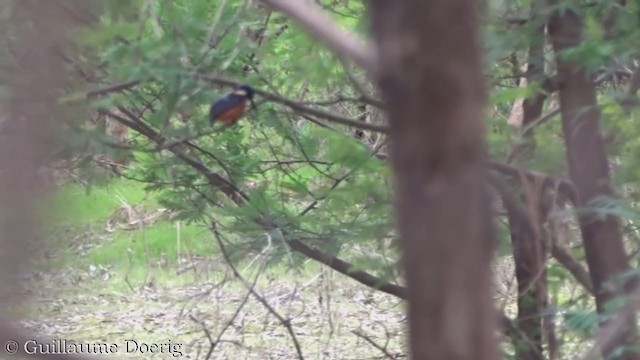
(231,107)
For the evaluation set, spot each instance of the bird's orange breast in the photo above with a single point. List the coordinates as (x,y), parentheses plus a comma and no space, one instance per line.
(233,114)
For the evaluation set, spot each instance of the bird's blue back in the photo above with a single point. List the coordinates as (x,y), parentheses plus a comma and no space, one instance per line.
(225,104)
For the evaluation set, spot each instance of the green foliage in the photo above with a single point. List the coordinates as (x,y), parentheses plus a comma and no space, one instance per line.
(75,213)
(581,321)
(75,205)
(153,245)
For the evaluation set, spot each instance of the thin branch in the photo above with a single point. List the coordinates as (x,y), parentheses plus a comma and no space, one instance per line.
(298,107)
(347,269)
(113,88)
(285,322)
(573,266)
(539,121)
(337,100)
(366,338)
(213,343)
(207,333)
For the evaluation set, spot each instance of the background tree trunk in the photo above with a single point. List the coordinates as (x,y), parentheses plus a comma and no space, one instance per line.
(589,171)
(529,253)
(432,81)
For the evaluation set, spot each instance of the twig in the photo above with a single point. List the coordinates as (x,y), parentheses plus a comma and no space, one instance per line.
(213,343)
(285,322)
(360,88)
(539,121)
(366,338)
(113,88)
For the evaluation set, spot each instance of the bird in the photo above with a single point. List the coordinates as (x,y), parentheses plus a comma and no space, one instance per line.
(231,107)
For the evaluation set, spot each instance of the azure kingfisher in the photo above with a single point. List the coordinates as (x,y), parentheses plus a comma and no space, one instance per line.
(231,107)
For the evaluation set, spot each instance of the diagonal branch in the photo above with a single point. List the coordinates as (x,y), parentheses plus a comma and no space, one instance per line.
(565,186)
(346,268)
(216,180)
(366,338)
(113,88)
(573,266)
(321,26)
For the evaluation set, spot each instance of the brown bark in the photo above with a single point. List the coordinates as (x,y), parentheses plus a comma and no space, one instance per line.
(431,79)
(530,276)
(589,172)
(532,106)
(529,254)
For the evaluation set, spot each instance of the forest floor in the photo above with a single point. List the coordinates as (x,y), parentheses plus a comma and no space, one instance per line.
(108,281)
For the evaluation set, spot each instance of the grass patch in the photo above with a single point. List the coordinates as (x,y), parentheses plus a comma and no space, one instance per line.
(84,222)
(164,241)
(75,204)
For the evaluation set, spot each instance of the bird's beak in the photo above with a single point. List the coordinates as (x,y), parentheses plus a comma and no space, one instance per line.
(253,105)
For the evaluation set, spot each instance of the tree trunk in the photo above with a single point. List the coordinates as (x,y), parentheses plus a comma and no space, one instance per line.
(530,272)
(529,253)
(589,171)
(431,78)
